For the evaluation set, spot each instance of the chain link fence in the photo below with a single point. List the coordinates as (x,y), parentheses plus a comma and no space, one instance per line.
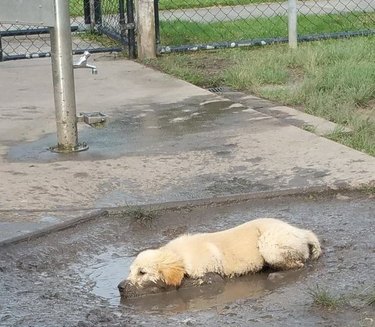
(206,24)
(183,25)
(97,26)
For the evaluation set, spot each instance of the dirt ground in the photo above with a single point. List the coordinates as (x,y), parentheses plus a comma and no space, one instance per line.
(69,278)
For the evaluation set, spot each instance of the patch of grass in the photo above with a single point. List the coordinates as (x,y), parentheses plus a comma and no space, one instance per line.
(322,298)
(199,72)
(141,215)
(185,32)
(111,6)
(309,128)
(183,4)
(371,299)
(332,79)
(93,37)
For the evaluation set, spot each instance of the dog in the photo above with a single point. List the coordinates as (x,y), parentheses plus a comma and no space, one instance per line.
(247,248)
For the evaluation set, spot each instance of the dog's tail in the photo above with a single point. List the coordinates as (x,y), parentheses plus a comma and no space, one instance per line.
(314,244)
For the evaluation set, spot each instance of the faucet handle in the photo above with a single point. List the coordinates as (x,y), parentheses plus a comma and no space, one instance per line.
(82,63)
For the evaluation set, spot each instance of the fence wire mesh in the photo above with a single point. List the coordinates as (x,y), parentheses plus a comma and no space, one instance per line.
(102,25)
(96,28)
(197,24)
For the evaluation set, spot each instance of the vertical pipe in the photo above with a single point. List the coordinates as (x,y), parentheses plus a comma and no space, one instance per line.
(131,29)
(292,23)
(63,80)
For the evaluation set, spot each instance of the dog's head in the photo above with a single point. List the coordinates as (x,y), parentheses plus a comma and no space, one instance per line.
(157,267)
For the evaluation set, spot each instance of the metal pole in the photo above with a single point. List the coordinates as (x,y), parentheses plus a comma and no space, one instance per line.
(292,23)
(157,21)
(86,11)
(1,50)
(131,28)
(63,81)
(98,12)
(92,14)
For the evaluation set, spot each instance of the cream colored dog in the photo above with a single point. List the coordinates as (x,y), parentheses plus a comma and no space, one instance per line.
(240,250)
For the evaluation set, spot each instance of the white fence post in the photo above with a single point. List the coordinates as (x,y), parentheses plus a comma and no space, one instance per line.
(146,36)
(292,23)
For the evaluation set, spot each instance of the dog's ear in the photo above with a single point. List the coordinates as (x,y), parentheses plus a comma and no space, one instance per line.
(172,275)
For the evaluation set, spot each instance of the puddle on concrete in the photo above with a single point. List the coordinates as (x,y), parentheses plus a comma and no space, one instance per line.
(106,270)
(69,278)
(104,273)
(211,296)
(160,130)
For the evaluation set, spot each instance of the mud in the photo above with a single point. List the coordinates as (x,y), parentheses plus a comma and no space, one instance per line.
(70,278)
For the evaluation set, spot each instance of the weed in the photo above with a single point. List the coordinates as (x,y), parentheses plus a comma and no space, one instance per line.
(322,298)
(371,299)
(309,128)
(141,215)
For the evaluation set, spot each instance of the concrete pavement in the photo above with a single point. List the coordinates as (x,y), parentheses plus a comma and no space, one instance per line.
(166,140)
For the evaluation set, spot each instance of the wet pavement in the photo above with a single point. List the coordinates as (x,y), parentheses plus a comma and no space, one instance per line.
(169,144)
(166,140)
(69,278)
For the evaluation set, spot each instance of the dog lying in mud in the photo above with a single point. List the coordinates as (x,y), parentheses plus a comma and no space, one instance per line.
(247,248)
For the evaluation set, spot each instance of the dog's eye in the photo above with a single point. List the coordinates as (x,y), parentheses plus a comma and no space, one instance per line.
(141,272)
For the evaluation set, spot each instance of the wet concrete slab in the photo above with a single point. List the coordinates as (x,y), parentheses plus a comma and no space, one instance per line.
(166,140)
(70,278)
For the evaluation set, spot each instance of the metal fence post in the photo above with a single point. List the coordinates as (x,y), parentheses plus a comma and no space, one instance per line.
(1,50)
(63,81)
(130,28)
(157,21)
(292,23)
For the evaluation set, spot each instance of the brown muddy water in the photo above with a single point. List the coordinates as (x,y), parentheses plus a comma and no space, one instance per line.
(70,278)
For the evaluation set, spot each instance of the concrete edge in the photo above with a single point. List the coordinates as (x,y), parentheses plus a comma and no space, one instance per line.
(54,228)
(184,204)
(237,198)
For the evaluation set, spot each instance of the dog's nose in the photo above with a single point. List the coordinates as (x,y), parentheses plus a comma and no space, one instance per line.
(121,286)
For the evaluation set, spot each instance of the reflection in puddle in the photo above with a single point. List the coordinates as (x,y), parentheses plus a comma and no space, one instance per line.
(107,270)
(211,296)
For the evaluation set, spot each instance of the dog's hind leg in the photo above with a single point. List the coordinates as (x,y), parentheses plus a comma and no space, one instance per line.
(282,251)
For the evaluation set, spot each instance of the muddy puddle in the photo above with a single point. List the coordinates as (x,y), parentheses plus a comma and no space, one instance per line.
(70,278)
(105,271)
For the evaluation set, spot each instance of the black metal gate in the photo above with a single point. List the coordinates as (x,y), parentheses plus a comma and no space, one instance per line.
(97,26)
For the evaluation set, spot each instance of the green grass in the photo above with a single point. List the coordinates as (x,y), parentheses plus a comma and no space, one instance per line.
(332,79)
(141,215)
(184,32)
(183,4)
(111,6)
(323,299)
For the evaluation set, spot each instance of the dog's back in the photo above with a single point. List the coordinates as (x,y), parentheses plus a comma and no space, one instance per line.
(246,248)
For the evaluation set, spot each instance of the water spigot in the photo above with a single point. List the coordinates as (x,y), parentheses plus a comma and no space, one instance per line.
(82,63)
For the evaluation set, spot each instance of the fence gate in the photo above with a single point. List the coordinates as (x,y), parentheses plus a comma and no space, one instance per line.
(96,25)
